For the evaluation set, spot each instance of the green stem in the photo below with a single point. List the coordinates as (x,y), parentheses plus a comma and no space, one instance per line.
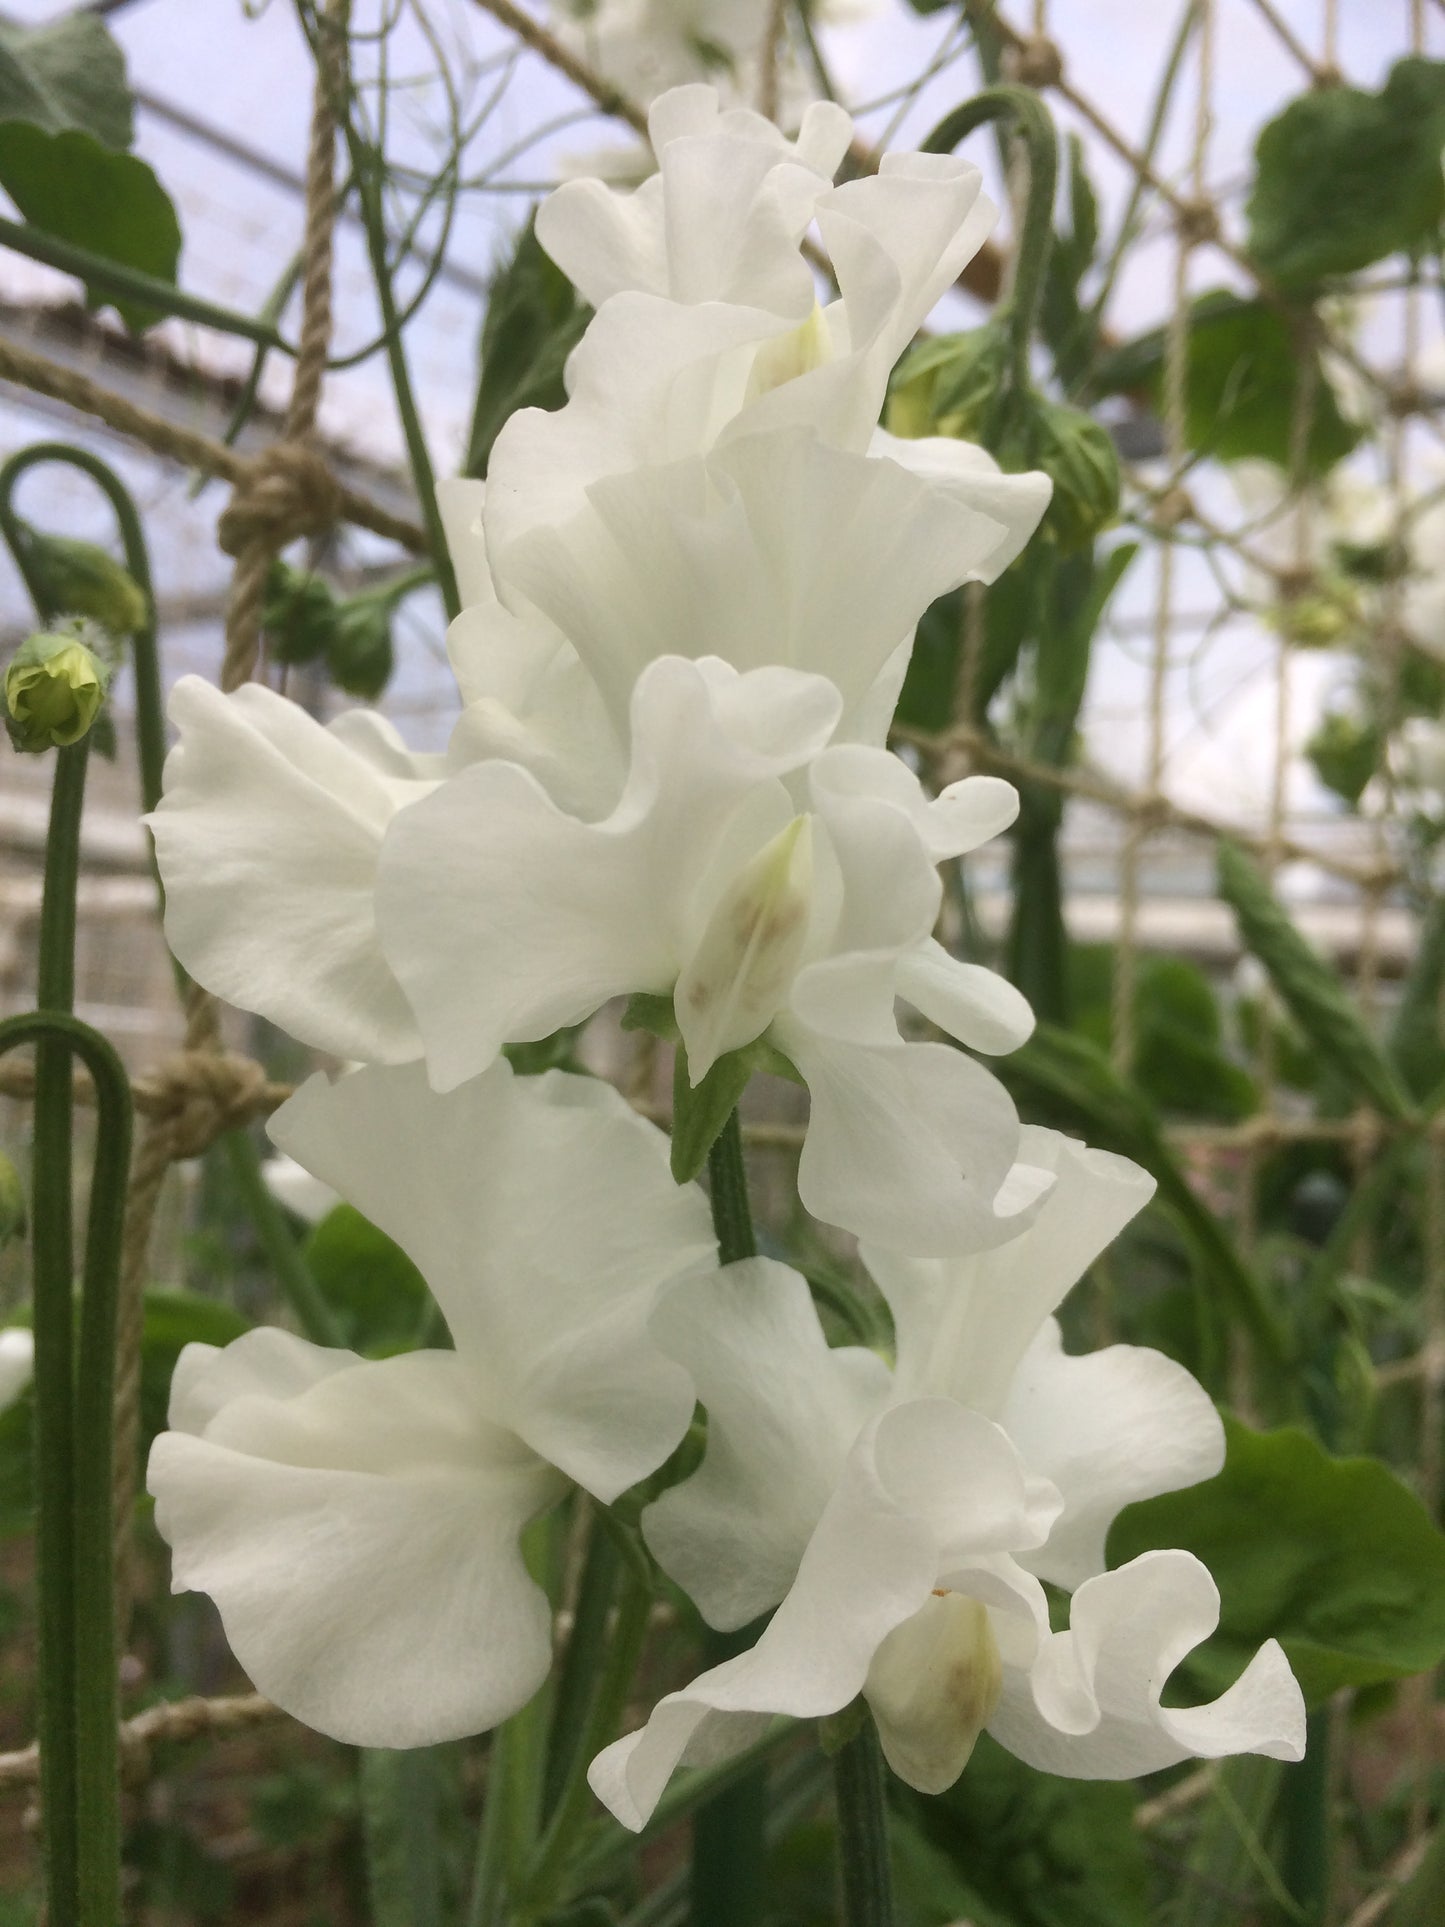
(93,1826)
(732,1216)
(488,1906)
(559,1838)
(53,1287)
(132,284)
(577,1680)
(1127,225)
(1036,232)
(420,459)
(863,1859)
(302,1293)
(1304,1804)
(728,1833)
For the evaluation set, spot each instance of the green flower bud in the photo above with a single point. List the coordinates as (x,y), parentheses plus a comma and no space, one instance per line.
(12,1202)
(1346,751)
(1080,459)
(298,614)
(1319,617)
(54,688)
(949,386)
(79,579)
(359,653)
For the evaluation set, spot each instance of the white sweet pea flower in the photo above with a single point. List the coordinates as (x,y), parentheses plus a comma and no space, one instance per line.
(716,410)
(291,1185)
(773,887)
(357,1523)
(901,1521)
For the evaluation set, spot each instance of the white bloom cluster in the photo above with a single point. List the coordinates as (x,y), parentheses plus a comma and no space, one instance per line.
(690,595)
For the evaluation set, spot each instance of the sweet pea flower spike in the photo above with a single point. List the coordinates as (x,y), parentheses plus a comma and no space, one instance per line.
(773,888)
(902,1521)
(358,1522)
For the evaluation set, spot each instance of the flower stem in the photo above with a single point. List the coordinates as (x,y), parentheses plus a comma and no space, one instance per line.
(732,1216)
(53,1282)
(301,1290)
(1036,233)
(77,1673)
(728,1833)
(863,1863)
(560,1837)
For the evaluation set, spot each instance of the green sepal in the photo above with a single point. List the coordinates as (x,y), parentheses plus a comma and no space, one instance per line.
(838,1729)
(651,1011)
(699,1112)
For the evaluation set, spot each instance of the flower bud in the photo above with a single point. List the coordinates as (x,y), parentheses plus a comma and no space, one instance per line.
(54,688)
(81,579)
(298,614)
(358,651)
(1080,459)
(949,386)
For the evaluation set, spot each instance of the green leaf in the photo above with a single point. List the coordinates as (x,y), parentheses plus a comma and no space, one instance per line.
(1179,1056)
(1417,1036)
(1032,1850)
(1242,381)
(67,73)
(68,184)
(652,1011)
(1310,990)
(374,1288)
(1345,178)
(1335,1558)
(534,320)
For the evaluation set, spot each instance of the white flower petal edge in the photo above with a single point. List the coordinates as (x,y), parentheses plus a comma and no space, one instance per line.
(722,218)
(267,838)
(358,1522)
(1089,1707)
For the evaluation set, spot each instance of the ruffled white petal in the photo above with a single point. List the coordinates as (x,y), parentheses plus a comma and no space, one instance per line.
(360,1538)
(549,1305)
(1090,1706)
(964,1318)
(782,1414)
(460,501)
(1013,505)
(974,1005)
(908,1145)
(1107,1428)
(267,837)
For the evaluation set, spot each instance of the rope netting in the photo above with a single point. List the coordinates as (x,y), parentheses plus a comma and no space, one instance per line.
(291,490)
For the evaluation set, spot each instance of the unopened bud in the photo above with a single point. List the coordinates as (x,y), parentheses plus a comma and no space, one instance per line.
(80,579)
(54,689)
(1080,459)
